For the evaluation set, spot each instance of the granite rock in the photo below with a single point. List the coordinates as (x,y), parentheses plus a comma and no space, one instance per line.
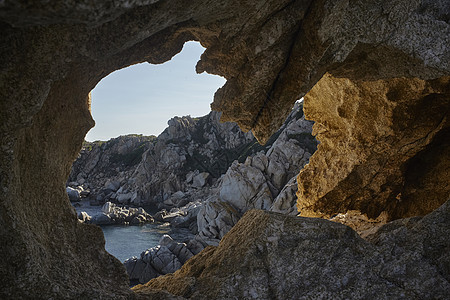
(273,256)
(167,257)
(271,53)
(74,194)
(112,215)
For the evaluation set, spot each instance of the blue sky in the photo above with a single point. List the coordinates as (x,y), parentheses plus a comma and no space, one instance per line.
(142,98)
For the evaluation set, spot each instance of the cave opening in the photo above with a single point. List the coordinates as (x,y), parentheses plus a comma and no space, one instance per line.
(54,55)
(118,175)
(141,98)
(131,107)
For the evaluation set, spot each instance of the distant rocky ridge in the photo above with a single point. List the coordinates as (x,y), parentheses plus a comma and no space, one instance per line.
(200,174)
(170,170)
(138,170)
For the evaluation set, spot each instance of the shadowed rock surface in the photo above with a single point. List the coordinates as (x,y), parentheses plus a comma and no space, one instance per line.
(271,53)
(274,256)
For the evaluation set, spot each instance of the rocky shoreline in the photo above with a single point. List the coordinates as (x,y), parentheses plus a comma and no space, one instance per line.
(375,77)
(112,214)
(209,204)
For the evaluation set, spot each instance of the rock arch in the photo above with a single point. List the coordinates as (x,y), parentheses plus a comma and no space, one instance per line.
(270,52)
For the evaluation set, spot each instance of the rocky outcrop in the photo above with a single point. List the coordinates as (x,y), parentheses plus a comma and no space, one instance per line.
(105,169)
(261,182)
(164,171)
(165,258)
(189,155)
(273,256)
(265,181)
(115,215)
(254,183)
(392,154)
(270,52)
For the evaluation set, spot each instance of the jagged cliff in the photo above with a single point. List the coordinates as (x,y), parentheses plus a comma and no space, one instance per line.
(369,58)
(265,180)
(190,155)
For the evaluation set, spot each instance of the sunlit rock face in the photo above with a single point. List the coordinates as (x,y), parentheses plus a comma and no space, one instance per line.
(384,146)
(271,53)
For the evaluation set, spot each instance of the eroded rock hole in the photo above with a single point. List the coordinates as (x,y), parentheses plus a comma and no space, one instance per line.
(160,199)
(376,75)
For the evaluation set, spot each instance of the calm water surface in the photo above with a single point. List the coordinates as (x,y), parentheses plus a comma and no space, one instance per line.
(124,241)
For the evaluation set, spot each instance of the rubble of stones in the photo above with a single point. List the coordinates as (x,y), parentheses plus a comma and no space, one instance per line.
(116,215)
(182,173)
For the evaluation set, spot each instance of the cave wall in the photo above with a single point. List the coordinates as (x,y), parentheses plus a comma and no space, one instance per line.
(384,146)
(271,53)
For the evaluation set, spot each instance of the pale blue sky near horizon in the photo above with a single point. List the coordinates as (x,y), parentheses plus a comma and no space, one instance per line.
(141,99)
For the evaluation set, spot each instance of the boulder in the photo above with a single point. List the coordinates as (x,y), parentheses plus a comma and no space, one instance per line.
(74,194)
(84,217)
(124,198)
(215,219)
(167,257)
(108,207)
(101,219)
(159,216)
(173,214)
(245,187)
(188,215)
(200,180)
(178,249)
(161,259)
(190,176)
(112,185)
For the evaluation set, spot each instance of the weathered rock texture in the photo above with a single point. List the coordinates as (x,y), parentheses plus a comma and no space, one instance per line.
(384,146)
(274,256)
(167,257)
(271,53)
(266,180)
(190,154)
(116,215)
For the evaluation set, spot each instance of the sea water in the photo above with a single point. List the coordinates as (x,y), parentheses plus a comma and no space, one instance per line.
(125,241)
